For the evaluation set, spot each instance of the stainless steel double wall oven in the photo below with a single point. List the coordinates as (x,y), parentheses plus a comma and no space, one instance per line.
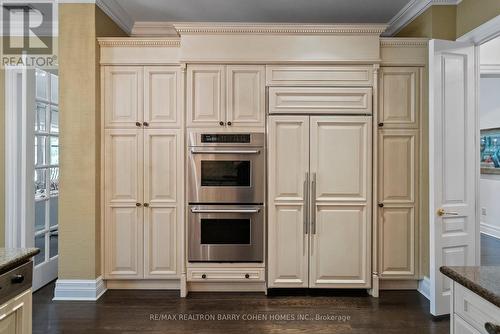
(226,192)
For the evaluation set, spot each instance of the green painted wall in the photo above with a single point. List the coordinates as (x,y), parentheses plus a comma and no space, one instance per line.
(436,22)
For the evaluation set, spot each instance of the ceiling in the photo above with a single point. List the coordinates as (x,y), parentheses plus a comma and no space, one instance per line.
(291,11)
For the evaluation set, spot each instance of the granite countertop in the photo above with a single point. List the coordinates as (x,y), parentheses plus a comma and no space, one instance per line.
(484,281)
(13,257)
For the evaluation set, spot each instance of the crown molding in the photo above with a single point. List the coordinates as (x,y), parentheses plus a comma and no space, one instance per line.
(117,14)
(402,42)
(154,29)
(411,11)
(139,42)
(277,28)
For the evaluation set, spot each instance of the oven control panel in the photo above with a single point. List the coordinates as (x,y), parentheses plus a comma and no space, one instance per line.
(226,138)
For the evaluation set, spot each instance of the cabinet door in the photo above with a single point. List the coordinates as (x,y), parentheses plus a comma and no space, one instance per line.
(163,195)
(399,97)
(123,96)
(123,226)
(340,202)
(162,96)
(288,160)
(16,314)
(397,191)
(246,95)
(205,95)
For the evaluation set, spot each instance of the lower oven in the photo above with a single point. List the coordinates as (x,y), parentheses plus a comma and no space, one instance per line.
(226,233)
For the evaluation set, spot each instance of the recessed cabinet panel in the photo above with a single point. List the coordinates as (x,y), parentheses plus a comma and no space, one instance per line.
(340,154)
(205,95)
(123,96)
(399,97)
(246,95)
(398,166)
(124,242)
(340,247)
(397,241)
(284,75)
(161,242)
(123,166)
(16,314)
(288,145)
(288,248)
(162,96)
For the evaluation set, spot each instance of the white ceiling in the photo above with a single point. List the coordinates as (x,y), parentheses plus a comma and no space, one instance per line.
(292,11)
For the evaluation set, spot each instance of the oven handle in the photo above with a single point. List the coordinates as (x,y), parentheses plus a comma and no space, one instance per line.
(194,210)
(196,151)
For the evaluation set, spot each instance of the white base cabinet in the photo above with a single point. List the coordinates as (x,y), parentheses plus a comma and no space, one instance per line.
(16,314)
(319,198)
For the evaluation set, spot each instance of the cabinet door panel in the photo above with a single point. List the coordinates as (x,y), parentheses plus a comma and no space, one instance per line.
(341,157)
(397,242)
(397,166)
(16,314)
(246,95)
(123,96)
(124,242)
(340,248)
(160,241)
(205,95)
(399,97)
(162,94)
(288,247)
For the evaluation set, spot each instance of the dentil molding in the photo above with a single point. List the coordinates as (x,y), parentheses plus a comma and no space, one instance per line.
(139,42)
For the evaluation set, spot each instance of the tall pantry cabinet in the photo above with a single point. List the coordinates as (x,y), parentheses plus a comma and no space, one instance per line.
(143,172)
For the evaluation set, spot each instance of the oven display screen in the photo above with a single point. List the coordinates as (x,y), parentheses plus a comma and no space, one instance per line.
(225,231)
(225,173)
(226,138)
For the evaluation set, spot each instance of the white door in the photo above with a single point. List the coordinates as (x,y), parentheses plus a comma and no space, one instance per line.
(453,163)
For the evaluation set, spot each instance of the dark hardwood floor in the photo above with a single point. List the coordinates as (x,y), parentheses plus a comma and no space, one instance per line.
(161,311)
(490,250)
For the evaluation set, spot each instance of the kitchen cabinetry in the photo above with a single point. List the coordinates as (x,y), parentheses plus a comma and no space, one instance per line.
(16,314)
(398,172)
(143,176)
(320,201)
(225,96)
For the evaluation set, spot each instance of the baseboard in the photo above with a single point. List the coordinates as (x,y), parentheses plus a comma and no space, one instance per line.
(424,287)
(492,231)
(226,287)
(171,284)
(79,290)
(398,284)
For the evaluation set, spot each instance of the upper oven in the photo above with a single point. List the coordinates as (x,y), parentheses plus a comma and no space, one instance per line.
(226,168)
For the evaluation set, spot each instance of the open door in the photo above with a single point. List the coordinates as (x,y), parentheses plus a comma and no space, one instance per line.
(453,164)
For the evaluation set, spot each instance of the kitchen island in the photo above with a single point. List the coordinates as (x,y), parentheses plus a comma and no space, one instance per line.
(475,299)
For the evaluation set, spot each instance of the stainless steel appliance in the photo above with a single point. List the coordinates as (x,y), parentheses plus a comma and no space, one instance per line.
(226,233)
(226,168)
(226,192)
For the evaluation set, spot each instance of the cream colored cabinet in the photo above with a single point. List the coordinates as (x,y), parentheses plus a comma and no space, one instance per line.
(143,173)
(398,173)
(136,96)
(16,314)
(225,96)
(319,192)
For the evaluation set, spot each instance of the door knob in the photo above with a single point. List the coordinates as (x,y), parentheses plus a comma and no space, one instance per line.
(138,204)
(441,212)
(146,205)
(229,123)
(380,205)
(138,124)
(17,279)
(381,124)
(145,124)
(221,123)
(204,276)
(247,276)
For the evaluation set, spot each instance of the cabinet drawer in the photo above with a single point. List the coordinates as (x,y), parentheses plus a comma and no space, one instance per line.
(226,275)
(317,100)
(462,327)
(319,75)
(473,309)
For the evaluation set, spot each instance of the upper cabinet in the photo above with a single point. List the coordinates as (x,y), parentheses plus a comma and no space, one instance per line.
(137,96)
(399,97)
(225,96)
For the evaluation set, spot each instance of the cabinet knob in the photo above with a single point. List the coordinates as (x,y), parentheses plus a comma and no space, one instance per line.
(491,328)
(146,205)
(380,205)
(380,124)
(221,123)
(17,279)
(145,124)
(204,276)
(247,276)
(229,123)
(138,204)
(138,124)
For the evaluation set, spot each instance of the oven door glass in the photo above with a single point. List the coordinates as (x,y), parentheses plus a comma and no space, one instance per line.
(225,231)
(217,173)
